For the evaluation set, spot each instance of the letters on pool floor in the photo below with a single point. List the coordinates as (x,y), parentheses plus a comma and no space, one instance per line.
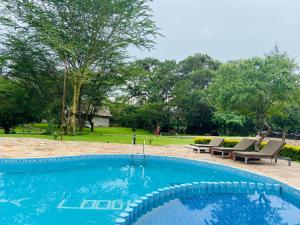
(95,205)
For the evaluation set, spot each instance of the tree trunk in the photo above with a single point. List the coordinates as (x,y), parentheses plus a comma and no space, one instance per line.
(72,119)
(284,137)
(65,130)
(81,117)
(66,121)
(92,126)
(177,126)
(63,116)
(90,119)
(227,131)
(263,134)
(6,129)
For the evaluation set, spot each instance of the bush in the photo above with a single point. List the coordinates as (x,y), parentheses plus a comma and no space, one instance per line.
(290,151)
(226,143)
(201,140)
(50,129)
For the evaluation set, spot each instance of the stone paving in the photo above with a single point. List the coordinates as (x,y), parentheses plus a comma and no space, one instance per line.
(39,148)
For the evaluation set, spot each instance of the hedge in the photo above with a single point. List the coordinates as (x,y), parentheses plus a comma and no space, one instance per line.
(290,151)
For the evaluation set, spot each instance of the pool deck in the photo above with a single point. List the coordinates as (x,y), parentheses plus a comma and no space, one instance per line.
(41,148)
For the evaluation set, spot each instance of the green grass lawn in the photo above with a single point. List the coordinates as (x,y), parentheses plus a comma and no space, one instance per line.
(97,130)
(103,134)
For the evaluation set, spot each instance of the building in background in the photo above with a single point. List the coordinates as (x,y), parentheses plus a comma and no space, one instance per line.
(102,117)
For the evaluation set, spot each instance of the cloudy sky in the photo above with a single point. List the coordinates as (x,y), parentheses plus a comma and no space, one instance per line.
(225,29)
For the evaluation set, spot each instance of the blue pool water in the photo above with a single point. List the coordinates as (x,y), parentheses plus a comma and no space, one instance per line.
(231,209)
(94,190)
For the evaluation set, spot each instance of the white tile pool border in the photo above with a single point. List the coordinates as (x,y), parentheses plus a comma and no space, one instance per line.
(157,198)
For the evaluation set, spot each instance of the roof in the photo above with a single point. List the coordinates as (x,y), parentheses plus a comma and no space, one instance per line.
(103,112)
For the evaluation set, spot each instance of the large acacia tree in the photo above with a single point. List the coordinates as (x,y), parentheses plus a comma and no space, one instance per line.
(84,34)
(257,88)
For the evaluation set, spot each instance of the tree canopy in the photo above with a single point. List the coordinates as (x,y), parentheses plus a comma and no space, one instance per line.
(69,58)
(259,88)
(84,35)
(18,105)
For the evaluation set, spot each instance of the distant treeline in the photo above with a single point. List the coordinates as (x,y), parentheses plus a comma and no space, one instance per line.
(201,95)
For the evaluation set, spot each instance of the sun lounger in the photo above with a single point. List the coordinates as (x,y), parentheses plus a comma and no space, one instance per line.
(243,145)
(216,142)
(270,150)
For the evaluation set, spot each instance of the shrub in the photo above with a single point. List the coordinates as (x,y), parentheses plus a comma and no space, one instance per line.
(201,140)
(226,143)
(290,151)
(50,129)
(230,142)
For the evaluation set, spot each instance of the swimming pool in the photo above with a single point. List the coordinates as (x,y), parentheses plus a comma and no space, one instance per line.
(95,189)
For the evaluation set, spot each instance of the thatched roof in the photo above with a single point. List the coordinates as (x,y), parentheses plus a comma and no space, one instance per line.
(103,112)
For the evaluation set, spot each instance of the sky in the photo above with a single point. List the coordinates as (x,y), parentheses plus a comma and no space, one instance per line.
(224,29)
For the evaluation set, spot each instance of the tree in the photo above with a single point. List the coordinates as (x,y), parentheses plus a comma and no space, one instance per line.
(125,115)
(94,93)
(140,76)
(31,67)
(197,62)
(195,74)
(257,88)
(229,123)
(17,105)
(288,119)
(150,86)
(173,93)
(83,34)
